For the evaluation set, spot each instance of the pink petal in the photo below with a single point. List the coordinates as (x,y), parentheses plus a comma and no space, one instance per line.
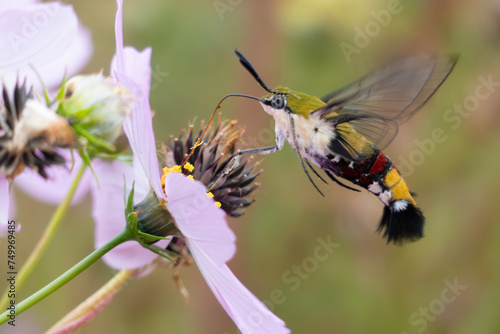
(7,206)
(246,310)
(4,204)
(198,218)
(55,188)
(4,5)
(71,62)
(46,36)
(133,70)
(120,62)
(138,127)
(109,214)
(136,67)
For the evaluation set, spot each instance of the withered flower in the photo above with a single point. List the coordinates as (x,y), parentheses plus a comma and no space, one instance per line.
(30,133)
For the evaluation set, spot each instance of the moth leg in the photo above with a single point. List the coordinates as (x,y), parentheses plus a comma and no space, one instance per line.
(307,173)
(315,172)
(234,163)
(330,175)
(292,122)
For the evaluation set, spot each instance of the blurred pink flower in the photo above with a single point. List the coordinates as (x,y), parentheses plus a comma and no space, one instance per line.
(201,222)
(6,205)
(53,189)
(49,37)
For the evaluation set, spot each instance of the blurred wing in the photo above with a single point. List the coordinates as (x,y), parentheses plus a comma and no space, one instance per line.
(374,105)
(377,130)
(396,90)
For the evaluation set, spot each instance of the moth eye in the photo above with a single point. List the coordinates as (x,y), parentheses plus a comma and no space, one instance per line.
(278,102)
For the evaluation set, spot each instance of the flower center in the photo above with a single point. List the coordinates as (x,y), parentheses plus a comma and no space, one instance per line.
(188,169)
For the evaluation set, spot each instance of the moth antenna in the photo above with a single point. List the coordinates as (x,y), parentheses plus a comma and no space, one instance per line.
(246,64)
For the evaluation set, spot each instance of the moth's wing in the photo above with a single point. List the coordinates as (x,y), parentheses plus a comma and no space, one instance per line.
(396,90)
(374,105)
(380,131)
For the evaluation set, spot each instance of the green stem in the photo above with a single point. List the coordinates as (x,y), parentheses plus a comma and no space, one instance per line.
(125,235)
(46,238)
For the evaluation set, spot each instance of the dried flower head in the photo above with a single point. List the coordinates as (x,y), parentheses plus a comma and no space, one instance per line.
(29,134)
(208,161)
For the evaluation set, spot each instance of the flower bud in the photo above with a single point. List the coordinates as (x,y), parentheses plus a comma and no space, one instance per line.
(96,105)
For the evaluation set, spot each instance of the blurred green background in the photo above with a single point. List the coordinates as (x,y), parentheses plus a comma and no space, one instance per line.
(364,285)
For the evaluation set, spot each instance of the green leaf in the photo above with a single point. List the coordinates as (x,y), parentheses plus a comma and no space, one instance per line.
(129,204)
(60,94)
(81,114)
(45,91)
(132,222)
(147,236)
(84,154)
(92,139)
(159,251)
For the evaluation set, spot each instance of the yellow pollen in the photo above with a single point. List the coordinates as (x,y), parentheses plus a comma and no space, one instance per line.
(166,171)
(197,144)
(218,204)
(163,202)
(175,169)
(189,167)
(209,194)
(190,177)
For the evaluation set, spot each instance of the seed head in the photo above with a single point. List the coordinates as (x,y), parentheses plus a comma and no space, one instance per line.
(208,161)
(30,133)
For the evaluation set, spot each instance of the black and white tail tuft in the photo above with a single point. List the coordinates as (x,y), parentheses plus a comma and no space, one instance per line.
(401,222)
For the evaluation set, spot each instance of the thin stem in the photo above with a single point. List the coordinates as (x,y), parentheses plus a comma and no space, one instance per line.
(46,238)
(84,312)
(125,235)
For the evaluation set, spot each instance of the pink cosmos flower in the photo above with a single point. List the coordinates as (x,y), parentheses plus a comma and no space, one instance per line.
(202,224)
(48,37)
(6,204)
